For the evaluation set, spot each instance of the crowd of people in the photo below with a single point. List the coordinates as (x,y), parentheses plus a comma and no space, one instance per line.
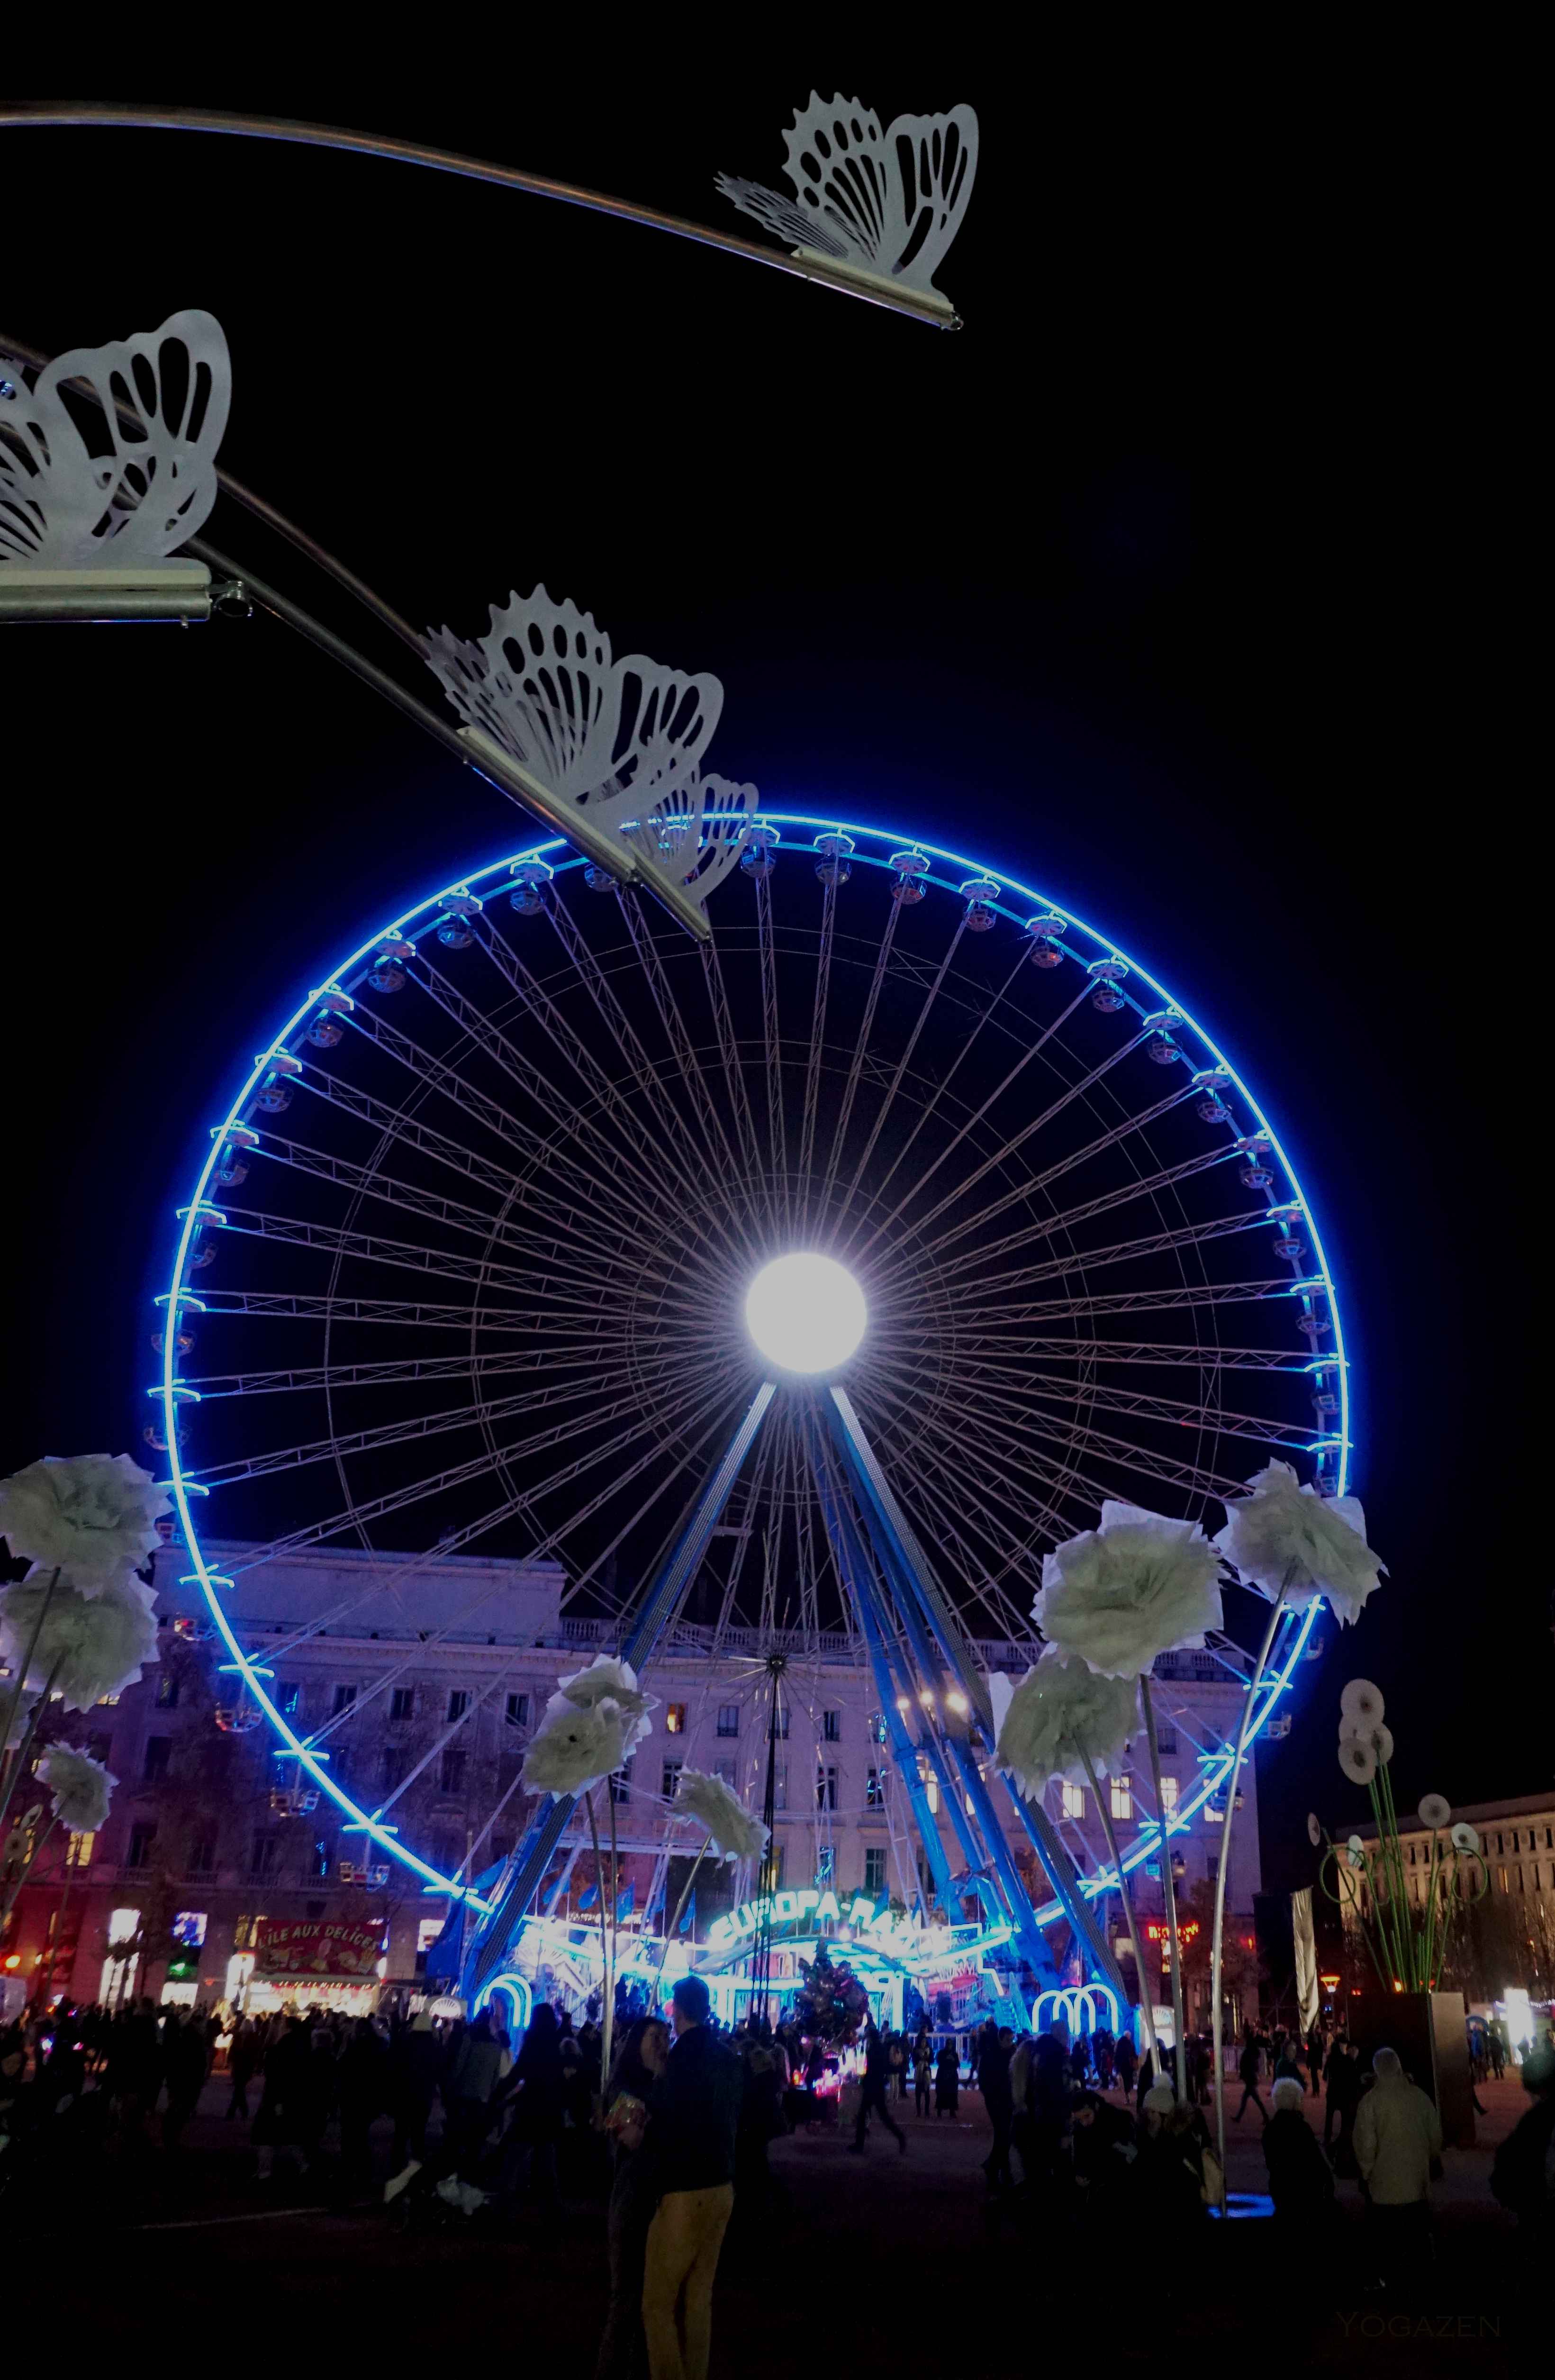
(1084,2135)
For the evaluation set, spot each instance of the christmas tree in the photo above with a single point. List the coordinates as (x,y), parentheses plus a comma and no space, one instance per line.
(832,2004)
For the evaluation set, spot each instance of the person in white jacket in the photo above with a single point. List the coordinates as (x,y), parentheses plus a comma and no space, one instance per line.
(1398,2135)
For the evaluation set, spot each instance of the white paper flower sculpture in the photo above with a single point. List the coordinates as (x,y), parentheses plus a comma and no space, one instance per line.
(1357,1760)
(1116,1596)
(1355,1852)
(1314,1828)
(1287,1535)
(575,1749)
(1465,1837)
(736,1834)
(1435,1811)
(89,1645)
(1361,1703)
(613,1680)
(91,1514)
(1062,1714)
(81,1786)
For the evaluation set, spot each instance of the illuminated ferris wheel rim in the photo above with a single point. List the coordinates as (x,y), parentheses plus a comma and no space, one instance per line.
(869,846)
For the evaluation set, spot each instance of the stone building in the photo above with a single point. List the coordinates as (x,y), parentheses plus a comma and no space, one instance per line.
(424,1717)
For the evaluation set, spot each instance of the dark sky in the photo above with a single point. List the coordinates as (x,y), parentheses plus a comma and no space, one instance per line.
(1164,584)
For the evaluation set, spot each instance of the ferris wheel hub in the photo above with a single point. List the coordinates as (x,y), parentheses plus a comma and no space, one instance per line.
(805,1313)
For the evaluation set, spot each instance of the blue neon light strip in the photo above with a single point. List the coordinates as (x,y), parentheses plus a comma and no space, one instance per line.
(425,914)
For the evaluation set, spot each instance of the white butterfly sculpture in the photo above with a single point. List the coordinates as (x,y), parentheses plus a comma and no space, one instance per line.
(622,741)
(64,507)
(888,203)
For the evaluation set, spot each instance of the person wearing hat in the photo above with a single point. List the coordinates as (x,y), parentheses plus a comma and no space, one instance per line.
(1300,2178)
(691,2143)
(1521,2177)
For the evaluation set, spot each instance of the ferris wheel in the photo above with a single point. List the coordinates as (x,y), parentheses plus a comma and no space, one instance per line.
(471,1267)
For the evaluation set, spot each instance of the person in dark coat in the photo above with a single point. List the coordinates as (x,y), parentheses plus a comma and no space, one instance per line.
(872,2100)
(1125,2057)
(363,2079)
(1522,2175)
(242,2063)
(1104,2153)
(947,2080)
(993,2072)
(634,2196)
(1247,2067)
(415,2069)
(278,2122)
(184,2062)
(1169,2180)
(539,2081)
(1300,2179)
(1346,2085)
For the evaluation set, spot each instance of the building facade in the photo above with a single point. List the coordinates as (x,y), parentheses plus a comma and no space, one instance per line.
(1505,1938)
(424,1719)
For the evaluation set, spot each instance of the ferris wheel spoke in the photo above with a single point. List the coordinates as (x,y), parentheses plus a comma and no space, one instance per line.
(734,1074)
(468,1416)
(689,1159)
(961,1449)
(904,1061)
(573,1219)
(354,1516)
(818,1041)
(370,1181)
(1142,1186)
(214,1386)
(1009,1623)
(579,1137)
(651,1163)
(854,1074)
(942,1087)
(1183,1354)
(1006,1150)
(720,1148)
(1217,1419)
(1190,1235)
(289,1305)
(1025,1420)
(744,1536)
(1183,1295)
(777,1135)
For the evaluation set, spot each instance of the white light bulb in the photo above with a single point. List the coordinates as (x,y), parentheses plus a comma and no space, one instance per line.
(805,1313)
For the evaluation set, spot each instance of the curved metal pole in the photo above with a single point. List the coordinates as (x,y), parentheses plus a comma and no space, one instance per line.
(448,161)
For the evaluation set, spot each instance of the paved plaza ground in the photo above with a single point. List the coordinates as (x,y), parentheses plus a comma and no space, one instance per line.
(887,2262)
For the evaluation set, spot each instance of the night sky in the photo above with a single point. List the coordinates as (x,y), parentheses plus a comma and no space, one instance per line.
(1164,584)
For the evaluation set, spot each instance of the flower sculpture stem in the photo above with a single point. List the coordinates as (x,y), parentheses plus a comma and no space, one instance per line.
(1217,1952)
(607,1996)
(20,1757)
(684,1897)
(1169,1889)
(1106,1817)
(24,1870)
(14,1704)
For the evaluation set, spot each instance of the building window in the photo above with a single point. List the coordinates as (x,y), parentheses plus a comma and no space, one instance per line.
(262,1853)
(392,1768)
(621,1783)
(1074,1800)
(874,1792)
(167,1691)
(517,1710)
(343,1697)
(458,1703)
(77,1851)
(826,1788)
(728,1718)
(288,1695)
(142,1835)
(675,1719)
(402,1702)
(203,1856)
(1204,1665)
(832,1727)
(669,1783)
(874,1871)
(1166,1739)
(450,1772)
(877,1731)
(1169,1790)
(826,1867)
(100,1747)
(159,1752)
(780,1785)
(725,1771)
(1123,1797)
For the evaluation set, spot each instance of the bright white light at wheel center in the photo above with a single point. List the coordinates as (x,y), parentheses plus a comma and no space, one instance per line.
(805,1313)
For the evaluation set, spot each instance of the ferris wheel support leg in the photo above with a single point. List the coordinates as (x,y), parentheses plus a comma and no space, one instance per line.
(905,1559)
(534,1856)
(854,1565)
